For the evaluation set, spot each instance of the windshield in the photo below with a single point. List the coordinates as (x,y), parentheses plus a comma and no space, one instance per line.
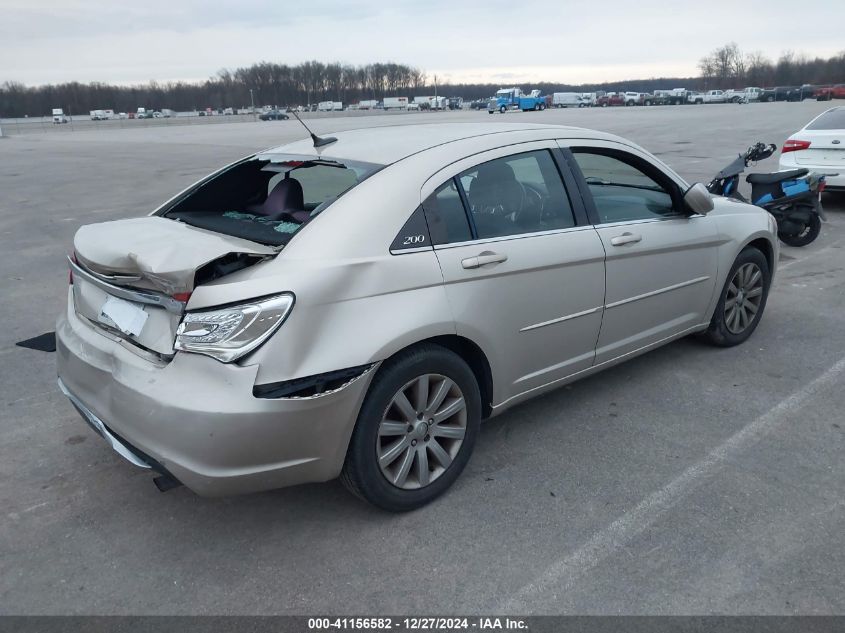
(830,120)
(268,198)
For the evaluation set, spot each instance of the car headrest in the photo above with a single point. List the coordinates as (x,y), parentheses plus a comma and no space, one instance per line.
(286,196)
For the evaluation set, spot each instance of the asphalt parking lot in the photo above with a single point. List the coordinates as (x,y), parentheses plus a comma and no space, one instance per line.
(691,480)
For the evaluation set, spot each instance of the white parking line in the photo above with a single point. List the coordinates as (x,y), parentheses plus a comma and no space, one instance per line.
(809,256)
(560,577)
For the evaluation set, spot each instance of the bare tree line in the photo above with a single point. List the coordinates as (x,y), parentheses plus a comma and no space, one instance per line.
(728,67)
(310,82)
(270,83)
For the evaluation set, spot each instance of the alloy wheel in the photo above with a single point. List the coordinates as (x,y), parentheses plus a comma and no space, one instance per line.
(421,431)
(745,292)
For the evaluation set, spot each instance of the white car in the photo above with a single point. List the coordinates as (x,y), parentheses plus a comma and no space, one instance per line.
(820,147)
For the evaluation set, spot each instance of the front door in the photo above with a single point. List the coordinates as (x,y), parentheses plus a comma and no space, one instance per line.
(661,261)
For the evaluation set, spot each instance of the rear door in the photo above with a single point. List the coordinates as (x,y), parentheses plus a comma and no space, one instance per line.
(523,270)
(661,261)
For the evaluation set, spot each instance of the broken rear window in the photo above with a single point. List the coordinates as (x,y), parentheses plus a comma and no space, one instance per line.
(269,197)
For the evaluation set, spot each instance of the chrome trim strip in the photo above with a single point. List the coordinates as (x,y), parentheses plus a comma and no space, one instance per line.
(95,423)
(560,319)
(517,236)
(404,251)
(139,296)
(683,284)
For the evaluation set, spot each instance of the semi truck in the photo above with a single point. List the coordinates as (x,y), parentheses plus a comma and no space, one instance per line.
(329,106)
(59,116)
(514,99)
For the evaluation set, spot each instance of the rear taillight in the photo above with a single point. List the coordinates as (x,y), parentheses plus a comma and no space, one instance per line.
(182,296)
(822,185)
(794,145)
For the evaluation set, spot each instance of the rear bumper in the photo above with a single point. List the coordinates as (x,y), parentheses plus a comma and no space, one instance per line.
(786,162)
(196,419)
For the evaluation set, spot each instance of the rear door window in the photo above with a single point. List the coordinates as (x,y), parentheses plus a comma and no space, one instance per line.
(517,194)
(268,198)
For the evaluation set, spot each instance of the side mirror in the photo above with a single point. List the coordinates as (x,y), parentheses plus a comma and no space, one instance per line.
(698,199)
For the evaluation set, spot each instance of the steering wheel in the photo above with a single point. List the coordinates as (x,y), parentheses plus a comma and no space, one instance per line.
(532,203)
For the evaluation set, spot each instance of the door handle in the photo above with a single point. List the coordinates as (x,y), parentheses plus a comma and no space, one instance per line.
(626,238)
(482,259)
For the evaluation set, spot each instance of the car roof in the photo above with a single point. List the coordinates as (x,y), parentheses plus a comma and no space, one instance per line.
(388,144)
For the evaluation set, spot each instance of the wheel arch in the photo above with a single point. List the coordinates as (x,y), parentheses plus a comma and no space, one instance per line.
(472,355)
(765,246)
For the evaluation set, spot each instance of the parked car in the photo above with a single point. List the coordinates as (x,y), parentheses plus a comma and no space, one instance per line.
(237,339)
(610,99)
(274,115)
(826,93)
(658,98)
(711,96)
(819,147)
(633,98)
(745,95)
(480,104)
(588,99)
(780,93)
(567,100)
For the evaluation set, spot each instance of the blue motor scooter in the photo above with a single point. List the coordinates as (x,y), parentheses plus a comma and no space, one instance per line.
(793,197)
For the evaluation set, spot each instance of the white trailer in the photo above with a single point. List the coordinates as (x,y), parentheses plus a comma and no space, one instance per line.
(368,104)
(395,103)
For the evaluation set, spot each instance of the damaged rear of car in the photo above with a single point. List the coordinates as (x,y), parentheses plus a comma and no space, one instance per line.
(165,311)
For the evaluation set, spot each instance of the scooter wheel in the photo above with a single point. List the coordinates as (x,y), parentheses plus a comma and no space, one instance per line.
(806,236)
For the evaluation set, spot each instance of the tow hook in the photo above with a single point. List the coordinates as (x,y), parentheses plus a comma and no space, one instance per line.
(166,482)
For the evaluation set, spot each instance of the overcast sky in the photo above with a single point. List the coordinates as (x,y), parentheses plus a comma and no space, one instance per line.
(498,41)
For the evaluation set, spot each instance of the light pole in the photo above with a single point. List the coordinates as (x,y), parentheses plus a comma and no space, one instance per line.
(252,103)
(436,104)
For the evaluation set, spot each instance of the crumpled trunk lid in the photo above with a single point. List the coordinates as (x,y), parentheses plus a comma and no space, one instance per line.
(164,253)
(132,277)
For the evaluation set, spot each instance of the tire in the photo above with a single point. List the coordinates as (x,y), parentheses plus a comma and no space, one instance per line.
(725,330)
(807,236)
(542,107)
(604,105)
(503,109)
(366,475)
